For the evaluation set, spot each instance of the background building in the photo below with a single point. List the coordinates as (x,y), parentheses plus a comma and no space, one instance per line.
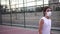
(54,4)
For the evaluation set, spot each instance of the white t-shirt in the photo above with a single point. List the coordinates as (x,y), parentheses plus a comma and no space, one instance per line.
(46,26)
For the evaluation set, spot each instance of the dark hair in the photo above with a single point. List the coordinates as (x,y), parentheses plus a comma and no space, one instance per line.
(44,10)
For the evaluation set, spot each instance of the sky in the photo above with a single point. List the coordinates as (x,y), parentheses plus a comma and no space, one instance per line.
(15,2)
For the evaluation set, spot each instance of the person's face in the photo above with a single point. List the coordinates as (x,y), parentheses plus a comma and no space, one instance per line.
(48,12)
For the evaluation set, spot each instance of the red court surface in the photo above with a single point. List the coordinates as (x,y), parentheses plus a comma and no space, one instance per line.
(16,30)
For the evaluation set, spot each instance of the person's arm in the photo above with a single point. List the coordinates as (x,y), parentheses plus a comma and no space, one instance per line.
(41,26)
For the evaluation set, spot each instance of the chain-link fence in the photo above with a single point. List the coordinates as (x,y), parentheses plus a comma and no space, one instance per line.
(27,13)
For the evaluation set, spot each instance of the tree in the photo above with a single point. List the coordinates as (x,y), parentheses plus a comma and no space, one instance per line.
(1,7)
(57,8)
(39,9)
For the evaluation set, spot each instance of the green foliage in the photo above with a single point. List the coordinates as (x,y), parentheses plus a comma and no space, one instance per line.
(57,8)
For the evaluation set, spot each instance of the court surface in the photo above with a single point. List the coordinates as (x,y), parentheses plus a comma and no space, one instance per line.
(16,30)
(20,30)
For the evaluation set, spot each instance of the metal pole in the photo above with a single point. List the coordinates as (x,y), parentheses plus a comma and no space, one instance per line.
(24,14)
(0,14)
(43,3)
(5,5)
(16,11)
(36,7)
(10,12)
(0,1)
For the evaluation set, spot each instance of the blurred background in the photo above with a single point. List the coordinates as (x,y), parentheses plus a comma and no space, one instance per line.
(27,13)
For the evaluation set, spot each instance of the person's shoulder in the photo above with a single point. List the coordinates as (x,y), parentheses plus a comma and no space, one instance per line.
(43,18)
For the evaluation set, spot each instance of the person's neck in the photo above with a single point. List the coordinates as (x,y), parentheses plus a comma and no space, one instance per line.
(47,17)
